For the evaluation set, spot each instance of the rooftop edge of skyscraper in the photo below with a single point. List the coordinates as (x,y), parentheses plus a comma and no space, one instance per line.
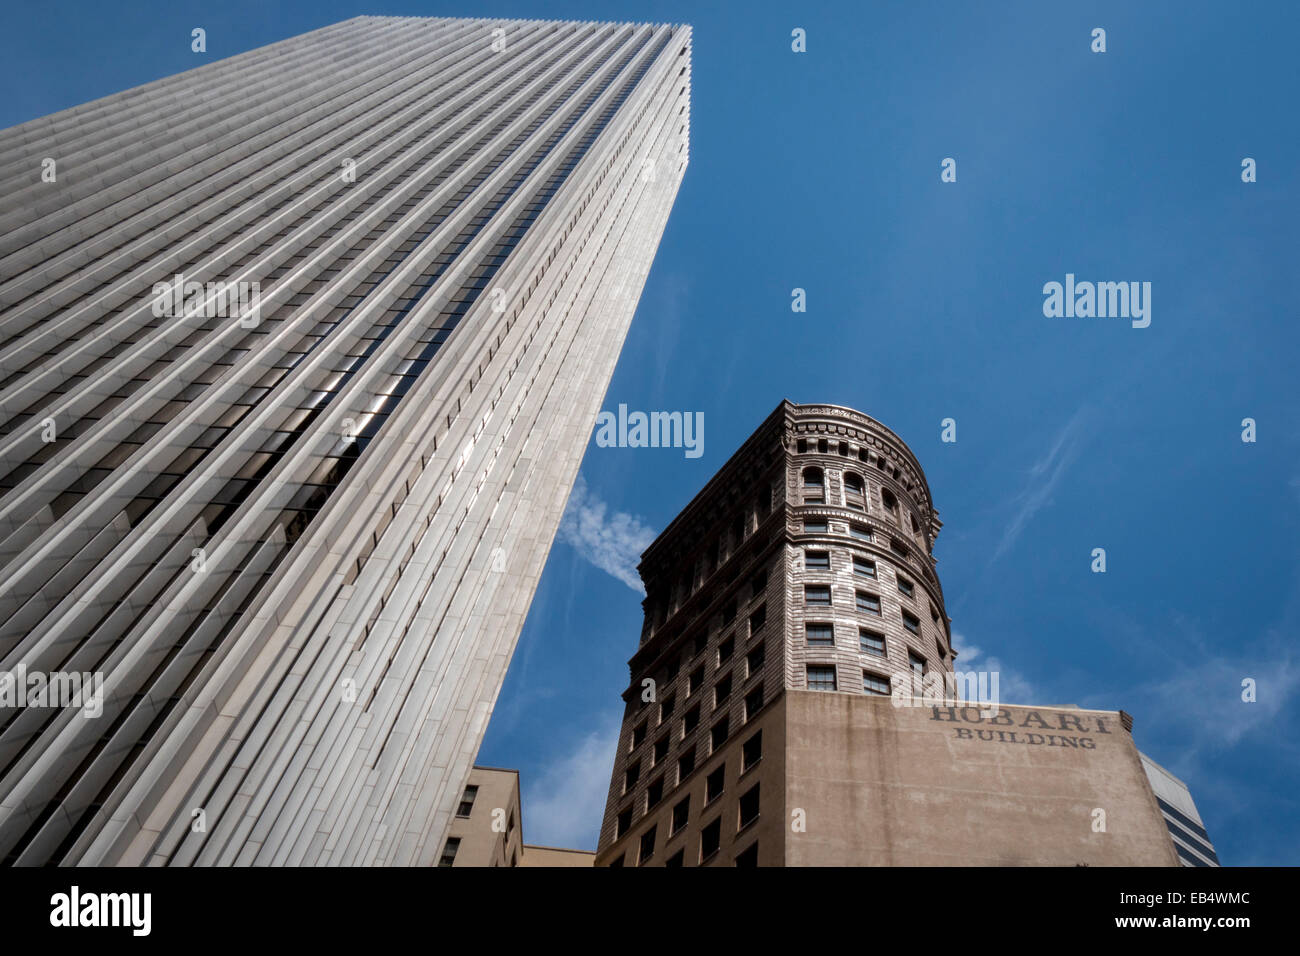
(787,410)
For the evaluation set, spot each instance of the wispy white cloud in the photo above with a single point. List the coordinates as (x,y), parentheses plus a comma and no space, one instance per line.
(1013,686)
(1044,476)
(612,542)
(1202,705)
(563,808)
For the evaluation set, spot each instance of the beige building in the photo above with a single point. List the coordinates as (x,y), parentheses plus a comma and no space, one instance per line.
(487,829)
(554,856)
(793,623)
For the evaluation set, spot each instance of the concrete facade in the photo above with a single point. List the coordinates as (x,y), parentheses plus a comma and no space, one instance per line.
(554,856)
(487,827)
(299,544)
(888,785)
(793,616)
(807,555)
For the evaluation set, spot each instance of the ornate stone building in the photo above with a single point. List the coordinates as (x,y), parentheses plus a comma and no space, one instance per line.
(772,718)
(805,563)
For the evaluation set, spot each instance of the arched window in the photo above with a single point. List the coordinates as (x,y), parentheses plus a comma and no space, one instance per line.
(814,485)
(855,491)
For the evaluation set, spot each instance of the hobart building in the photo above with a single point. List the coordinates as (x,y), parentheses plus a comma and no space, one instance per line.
(777,712)
(299,354)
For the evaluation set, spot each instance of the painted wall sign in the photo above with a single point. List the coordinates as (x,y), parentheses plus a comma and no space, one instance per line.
(1032,727)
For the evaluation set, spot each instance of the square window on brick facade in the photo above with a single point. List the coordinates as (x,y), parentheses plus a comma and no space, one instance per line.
(691,720)
(725,650)
(655,792)
(751,751)
(681,813)
(647,845)
(864,567)
(753,702)
(868,603)
(817,560)
(624,822)
(814,526)
(748,856)
(721,690)
(820,634)
(638,735)
(860,531)
(749,806)
(817,595)
(695,681)
(917,663)
(661,749)
(912,623)
(906,587)
(710,839)
(757,620)
(714,784)
(758,583)
(666,707)
(754,660)
(631,775)
(718,735)
(685,765)
(871,642)
(821,677)
(875,684)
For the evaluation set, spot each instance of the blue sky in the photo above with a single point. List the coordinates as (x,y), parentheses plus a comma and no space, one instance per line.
(822,171)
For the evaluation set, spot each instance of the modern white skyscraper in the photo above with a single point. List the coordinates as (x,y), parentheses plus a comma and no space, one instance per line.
(1191,841)
(299,355)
